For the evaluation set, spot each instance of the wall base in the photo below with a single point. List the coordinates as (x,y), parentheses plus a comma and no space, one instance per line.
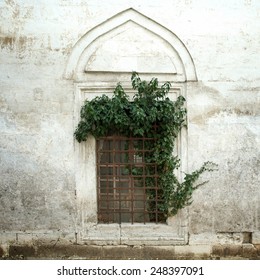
(87,252)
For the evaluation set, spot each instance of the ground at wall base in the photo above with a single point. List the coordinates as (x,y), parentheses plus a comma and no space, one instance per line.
(92,252)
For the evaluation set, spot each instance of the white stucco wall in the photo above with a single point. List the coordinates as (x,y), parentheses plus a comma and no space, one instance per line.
(37,109)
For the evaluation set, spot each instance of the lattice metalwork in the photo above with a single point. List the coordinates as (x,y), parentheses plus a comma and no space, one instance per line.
(127,179)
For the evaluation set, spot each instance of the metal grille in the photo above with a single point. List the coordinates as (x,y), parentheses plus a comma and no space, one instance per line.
(127,181)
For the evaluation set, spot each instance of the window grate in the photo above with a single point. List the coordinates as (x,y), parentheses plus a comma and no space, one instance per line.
(127,188)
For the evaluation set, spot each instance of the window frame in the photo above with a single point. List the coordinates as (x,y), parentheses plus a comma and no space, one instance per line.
(174,232)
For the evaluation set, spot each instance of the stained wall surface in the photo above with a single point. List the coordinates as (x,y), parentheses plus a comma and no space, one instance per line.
(38,192)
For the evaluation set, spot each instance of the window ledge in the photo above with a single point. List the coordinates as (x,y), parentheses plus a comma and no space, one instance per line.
(134,234)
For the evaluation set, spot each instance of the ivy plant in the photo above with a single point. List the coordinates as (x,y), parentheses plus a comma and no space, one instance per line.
(150,113)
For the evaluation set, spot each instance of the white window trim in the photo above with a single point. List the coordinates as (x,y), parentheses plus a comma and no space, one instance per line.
(175,232)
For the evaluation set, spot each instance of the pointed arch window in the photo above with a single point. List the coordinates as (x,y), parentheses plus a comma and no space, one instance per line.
(95,71)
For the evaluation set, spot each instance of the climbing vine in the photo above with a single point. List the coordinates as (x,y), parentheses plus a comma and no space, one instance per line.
(150,113)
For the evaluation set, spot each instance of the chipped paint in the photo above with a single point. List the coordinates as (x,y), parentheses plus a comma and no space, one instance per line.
(39,107)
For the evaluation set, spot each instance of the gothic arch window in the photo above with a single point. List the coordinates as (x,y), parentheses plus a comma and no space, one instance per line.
(105,55)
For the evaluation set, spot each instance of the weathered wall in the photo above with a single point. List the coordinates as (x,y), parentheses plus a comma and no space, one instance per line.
(37,170)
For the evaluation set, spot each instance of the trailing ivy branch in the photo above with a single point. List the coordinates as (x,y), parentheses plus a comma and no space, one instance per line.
(150,108)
